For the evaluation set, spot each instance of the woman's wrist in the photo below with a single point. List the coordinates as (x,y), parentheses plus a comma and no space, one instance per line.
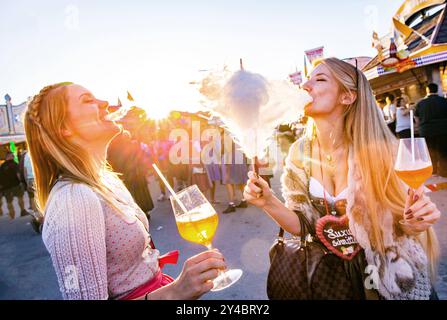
(282,215)
(167,292)
(270,203)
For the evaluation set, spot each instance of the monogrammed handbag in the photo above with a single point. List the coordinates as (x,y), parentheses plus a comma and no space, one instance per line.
(303,269)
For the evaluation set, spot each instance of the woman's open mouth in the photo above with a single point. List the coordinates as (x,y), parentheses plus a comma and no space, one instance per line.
(103,117)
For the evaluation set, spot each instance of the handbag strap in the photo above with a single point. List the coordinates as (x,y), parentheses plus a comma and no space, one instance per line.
(305,228)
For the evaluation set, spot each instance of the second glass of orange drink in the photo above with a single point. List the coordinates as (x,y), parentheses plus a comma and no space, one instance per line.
(413,164)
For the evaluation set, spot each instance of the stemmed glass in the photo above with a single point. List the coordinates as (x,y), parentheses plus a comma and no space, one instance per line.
(413,164)
(198,224)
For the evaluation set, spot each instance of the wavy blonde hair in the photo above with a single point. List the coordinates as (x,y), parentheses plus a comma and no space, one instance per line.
(374,148)
(52,154)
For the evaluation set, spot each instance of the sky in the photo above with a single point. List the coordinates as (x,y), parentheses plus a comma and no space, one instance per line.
(155,49)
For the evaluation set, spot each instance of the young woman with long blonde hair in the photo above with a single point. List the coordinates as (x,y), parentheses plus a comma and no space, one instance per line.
(344,165)
(97,237)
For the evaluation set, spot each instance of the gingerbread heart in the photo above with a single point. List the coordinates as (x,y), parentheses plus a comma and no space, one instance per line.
(335,234)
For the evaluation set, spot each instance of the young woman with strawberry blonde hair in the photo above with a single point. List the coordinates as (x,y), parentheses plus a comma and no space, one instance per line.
(97,237)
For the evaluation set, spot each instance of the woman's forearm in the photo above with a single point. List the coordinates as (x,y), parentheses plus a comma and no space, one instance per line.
(283,216)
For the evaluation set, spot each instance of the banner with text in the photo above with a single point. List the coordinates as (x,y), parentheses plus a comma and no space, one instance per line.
(296,78)
(314,54)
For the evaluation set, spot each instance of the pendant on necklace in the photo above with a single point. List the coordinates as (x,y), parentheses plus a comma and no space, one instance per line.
(329,158)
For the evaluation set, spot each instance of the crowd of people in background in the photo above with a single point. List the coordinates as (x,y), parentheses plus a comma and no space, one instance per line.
(145,142)
(226,165)
(429,122)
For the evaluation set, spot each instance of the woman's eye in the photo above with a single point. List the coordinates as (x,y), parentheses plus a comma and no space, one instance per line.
(321,79)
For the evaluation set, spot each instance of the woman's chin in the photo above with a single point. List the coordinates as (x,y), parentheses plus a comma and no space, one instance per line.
(111,129)
(308,110)
(311,110)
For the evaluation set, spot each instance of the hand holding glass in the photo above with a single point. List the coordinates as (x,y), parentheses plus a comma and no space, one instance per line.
(413,164)
(198,224)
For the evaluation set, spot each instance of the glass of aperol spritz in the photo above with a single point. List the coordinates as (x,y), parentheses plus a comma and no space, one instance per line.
(413,164)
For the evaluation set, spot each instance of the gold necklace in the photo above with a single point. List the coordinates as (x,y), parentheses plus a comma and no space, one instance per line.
(329,159)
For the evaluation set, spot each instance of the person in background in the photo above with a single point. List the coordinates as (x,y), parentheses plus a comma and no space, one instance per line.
(213,159)
(234,174)
(199,175)
(9,171)
(431,115)
(380,103)
(412,106)
(161,147)
(389,113)
(21,158)
(181,175)
(405,98)
(125,156)
(403,121)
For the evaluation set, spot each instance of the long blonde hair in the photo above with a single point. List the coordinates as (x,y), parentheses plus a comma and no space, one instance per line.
(374,148)
(52,154)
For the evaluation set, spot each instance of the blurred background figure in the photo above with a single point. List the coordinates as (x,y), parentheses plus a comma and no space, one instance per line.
(161,147)
(234,174)
(389,113)
(11,186)
(213,168)
(199,175)
(431,115)
(403,121)
(126,156)
(181,172)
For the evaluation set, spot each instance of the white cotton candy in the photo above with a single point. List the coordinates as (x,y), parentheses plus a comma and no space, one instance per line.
(251,107)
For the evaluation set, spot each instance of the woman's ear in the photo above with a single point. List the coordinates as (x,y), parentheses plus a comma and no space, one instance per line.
(348,98)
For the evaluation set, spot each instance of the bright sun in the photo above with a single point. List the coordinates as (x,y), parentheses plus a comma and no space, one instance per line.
(159,104)
(157,93)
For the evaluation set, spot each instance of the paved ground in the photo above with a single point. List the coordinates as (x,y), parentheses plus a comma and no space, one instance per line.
(244,237)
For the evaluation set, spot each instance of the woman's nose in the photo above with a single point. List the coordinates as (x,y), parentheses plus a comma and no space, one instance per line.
(307,86)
